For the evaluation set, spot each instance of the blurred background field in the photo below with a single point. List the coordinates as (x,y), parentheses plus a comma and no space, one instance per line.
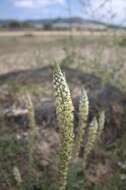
(101,53)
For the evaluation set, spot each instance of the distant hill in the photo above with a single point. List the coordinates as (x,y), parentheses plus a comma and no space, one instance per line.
(62,23)
(73,20)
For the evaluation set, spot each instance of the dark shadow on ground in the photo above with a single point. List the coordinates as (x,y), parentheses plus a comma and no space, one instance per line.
(102,97)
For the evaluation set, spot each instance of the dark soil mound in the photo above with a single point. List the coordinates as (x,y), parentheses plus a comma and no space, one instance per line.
(102,97)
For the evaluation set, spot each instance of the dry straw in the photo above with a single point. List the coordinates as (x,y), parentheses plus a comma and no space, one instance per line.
(31,133)
(83,117)
(101,123)
(17,176)
(92,136)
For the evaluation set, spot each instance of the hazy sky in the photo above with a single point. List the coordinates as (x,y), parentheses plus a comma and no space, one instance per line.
(103,10)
